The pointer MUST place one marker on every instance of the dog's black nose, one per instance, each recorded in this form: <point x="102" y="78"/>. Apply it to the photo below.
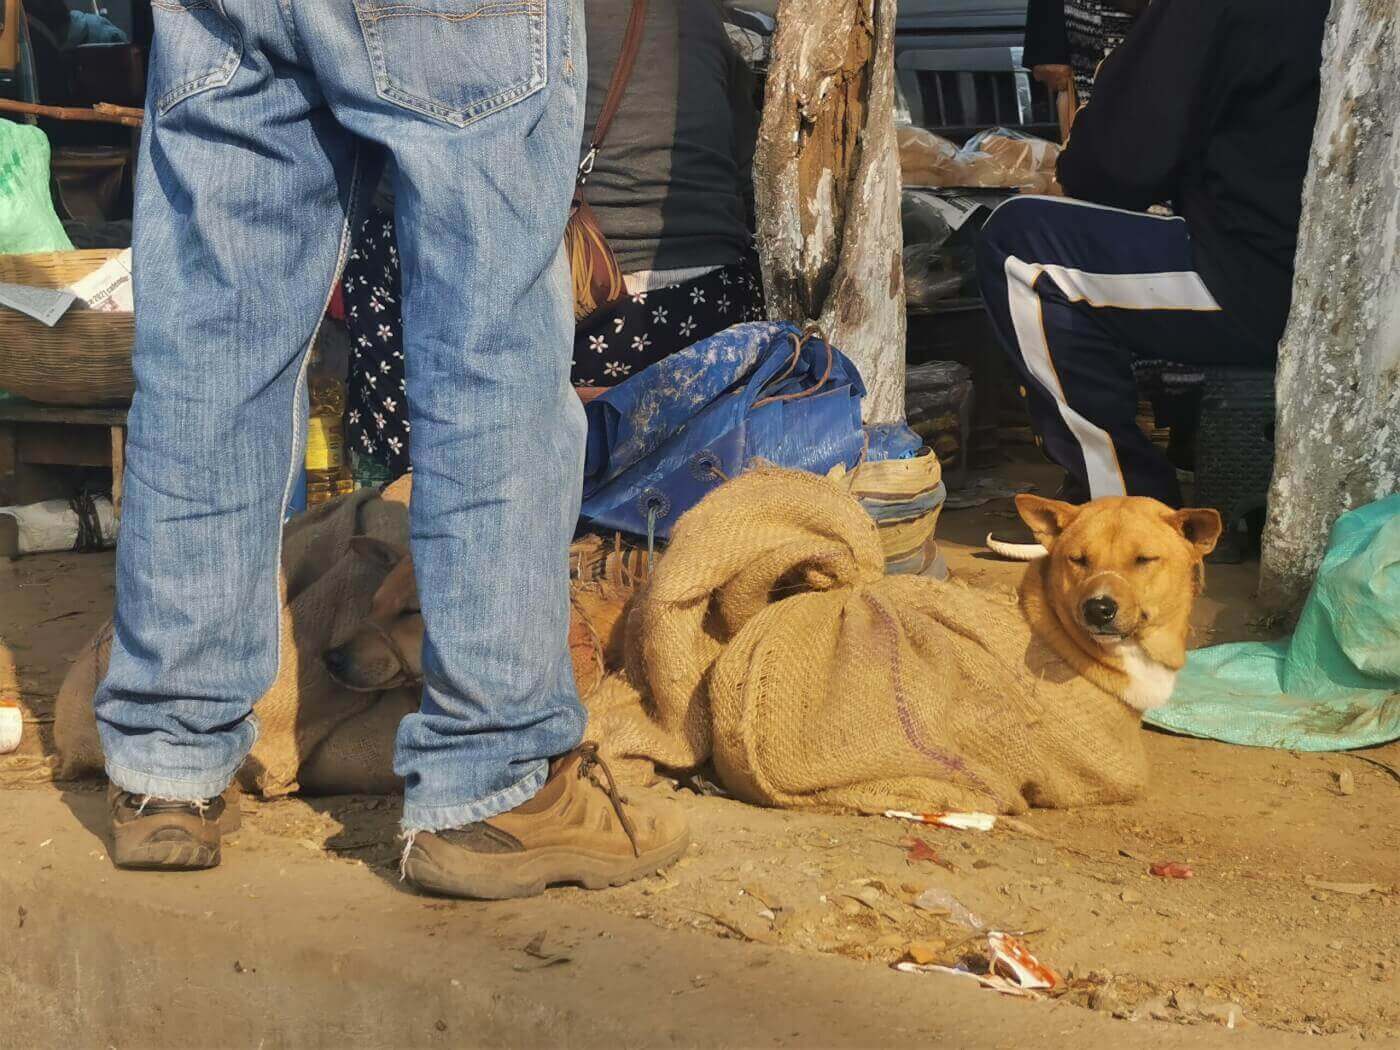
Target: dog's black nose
<point x="336" y="661"/>
<point x="1100" y="611"/>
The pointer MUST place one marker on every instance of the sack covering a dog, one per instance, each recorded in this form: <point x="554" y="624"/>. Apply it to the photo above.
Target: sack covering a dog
<point x="328" y="588"/>
<point x="771" y="642"/>
<point x="315" y="734"/>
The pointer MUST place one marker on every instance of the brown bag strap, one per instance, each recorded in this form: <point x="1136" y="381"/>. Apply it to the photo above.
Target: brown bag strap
<point x="626" y="60"/>
<point x="808" y="333"/>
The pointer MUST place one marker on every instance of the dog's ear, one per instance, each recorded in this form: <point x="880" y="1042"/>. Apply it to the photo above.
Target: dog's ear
<point x="1047" y="518"/>
<point x="377" y="551"/>
<point x="1200" y="527"/>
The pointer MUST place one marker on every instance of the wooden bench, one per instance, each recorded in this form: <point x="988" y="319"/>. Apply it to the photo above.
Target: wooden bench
<point x="34" y="437"/>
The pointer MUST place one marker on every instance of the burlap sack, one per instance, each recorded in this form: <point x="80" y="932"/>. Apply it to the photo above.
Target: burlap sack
<point x="316" y="736"/>
<point x="771" y="642"/>
<point x="328" y="590"/>
<point x="357" y="757"/>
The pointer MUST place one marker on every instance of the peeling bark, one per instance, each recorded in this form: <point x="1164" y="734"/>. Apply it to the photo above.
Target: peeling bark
<point x="826" y="180"/>
<point x="1338" y="435"/>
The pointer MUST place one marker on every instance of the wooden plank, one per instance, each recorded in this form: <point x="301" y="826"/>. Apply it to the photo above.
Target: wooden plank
<point x="63" y="445"/>
<point x="9" y="464"/>
<point x="31" y="412"/>
<point x="118" y="468"/>
<point x="107" y="114"/>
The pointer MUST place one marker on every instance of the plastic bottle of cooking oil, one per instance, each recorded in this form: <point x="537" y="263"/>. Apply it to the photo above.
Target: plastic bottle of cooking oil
<point x="327" y="472"/>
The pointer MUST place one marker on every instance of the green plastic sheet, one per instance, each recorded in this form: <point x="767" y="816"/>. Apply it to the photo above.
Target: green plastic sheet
<point x="1333" y="686"/>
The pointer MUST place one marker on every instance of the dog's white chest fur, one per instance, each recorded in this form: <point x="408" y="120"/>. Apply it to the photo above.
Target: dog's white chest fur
<point x="1150" y="683"/>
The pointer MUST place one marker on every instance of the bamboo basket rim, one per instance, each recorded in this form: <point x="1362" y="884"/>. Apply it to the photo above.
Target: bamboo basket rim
<point x="53" y="271"/>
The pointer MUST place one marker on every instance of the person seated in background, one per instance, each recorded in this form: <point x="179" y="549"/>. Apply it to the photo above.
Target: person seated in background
<point x="1067" y="39"/>
<point x="1208" y="104"/>
<point x="671" y="190"/>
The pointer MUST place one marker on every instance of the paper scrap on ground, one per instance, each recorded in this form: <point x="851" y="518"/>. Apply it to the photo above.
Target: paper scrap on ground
<point x="957" y="821"/>
<point x="1013" y="969"/>
<point x="108" y="288"/>
<point x="1013" y="960"/>
<point x="986" y="980"/>
<point x="45" y="305"/>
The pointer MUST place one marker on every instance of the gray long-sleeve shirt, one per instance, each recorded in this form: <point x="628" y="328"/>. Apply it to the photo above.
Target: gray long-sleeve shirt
<point x="672" y="187"/>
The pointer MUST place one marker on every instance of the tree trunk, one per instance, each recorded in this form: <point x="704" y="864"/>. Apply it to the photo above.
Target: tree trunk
<point x="826" y="175"/>
<point x="1338" y="435"/>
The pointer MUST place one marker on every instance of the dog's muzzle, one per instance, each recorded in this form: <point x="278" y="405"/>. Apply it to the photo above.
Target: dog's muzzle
<point x="338" y="664"/>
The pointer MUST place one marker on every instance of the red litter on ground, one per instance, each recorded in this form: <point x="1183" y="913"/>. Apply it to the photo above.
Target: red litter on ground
<point x="1171" y="869"/>
<point x="917" y="849"/>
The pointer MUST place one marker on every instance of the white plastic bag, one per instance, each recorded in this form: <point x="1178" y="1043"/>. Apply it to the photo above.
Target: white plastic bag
<point x="53" y="525"/>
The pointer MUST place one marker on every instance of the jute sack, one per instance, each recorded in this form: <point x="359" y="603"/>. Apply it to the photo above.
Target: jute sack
<point x="315" y="735"/>
<point x="771" y="642"/>
<point x="327" y="591"/>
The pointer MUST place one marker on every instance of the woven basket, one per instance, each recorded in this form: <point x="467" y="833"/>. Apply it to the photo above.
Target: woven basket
<point x="85" y="359"/>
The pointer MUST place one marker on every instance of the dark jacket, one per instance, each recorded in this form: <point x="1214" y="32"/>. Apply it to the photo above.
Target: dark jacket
<point x="1210" y="104"/>
<point x="1045" y="43"/>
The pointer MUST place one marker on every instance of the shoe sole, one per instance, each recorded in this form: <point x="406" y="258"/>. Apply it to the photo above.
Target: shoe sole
<point x="510" y="876"/>
<point x="167" y="856"/>
<point x="136" y="848"/>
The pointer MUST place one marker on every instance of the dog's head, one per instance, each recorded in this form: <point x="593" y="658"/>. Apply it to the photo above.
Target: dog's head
<point x="1123" y="570"/>
<point x="386" y="650"/>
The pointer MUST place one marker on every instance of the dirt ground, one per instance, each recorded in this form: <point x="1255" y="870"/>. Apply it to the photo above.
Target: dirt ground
<point x="1293" y="913"/>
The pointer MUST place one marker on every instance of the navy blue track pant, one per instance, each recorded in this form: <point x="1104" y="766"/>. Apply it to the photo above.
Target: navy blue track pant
<point x="1077" y="292"/>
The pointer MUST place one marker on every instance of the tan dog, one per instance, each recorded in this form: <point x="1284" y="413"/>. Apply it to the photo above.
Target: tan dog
<point x="386" y="650"/>
<point x="1114" y="595"/>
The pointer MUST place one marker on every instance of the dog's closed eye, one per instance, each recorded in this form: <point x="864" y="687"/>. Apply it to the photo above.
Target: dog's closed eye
<point x="1079" y="559"/>
<point x="1147" y="559"/>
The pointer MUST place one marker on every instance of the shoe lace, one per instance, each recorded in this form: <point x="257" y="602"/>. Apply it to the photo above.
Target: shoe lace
<point x="591" y="760"/>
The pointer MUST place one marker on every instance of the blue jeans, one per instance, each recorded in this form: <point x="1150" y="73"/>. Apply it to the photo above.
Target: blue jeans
<point x="251" y="173"/>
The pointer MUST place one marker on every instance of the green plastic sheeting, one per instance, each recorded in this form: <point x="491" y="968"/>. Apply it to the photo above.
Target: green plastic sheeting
<point x="1335" y="684"/>
<point x="28" y="222"/>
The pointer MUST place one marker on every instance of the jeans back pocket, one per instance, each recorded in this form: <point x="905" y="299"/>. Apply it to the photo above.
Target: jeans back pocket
<point x="455" y="60"/>
<point x="196" y="48"/>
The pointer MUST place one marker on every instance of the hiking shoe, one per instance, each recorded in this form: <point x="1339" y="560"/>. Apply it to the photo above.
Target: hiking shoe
<point x="153" y="834"/>
<point x="577" y="829"/>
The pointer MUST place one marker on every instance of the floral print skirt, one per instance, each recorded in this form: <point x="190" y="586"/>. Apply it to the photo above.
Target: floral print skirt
<point x="619" y="342"/>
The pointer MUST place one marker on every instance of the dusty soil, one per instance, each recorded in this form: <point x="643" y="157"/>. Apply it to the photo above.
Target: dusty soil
<point x="1293" y="912"/>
